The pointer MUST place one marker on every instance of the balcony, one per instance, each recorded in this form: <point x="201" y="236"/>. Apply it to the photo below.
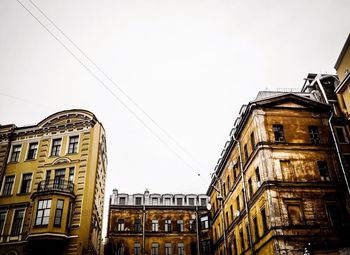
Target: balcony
<point x="54" y="187"/>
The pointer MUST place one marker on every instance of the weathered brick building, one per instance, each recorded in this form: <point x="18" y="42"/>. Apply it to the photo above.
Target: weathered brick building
<point x="278" y="187"/>
<point x="162" y="224"/>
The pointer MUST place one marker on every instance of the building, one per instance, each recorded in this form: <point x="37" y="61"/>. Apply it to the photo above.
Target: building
<point x="52" y="185"/>
<point x="342" y="67"/>
<point x="161" y="223"/>
<point x="278" y="187"/>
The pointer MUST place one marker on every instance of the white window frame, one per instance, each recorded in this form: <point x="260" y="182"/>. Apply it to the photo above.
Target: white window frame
<point x="51" y="144"/>
<point x="28" y="147"/>
<point x="67" y="143"/>
<point x="344" y="133"/>
<point x="3" y="184"/>
<point x="19" y="237"/>
<point x="20" y="184"/>
<point x="11" y="150"/>
<point x="3" y="228"/>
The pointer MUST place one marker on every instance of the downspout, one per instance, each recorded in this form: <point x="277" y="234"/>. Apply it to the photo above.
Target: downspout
<point x="244" y="194"/>
<point x="197" y="231"/>
<point x="338" y="152"/>
<point x="143" y="226"/>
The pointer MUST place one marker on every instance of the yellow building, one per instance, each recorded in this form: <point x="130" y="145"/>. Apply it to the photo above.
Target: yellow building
<point x="52" y="185"/>
<point x="164" y="224"/>
<point x="277" y="189"/>
<point x="342" y="66"/>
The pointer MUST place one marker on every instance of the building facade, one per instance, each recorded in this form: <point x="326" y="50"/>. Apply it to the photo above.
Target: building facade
<point x="278" y="187"/>
<point x="158" y="224"/>
<point x="45" y="206"/>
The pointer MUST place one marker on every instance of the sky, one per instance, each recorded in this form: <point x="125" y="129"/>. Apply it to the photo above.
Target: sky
<point x="186" y="65"/>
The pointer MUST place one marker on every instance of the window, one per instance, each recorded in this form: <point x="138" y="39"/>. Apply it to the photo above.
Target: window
<point x="241" y="237"/>
<point x="250" y="187"/>
<point x="137" y="225"/>
<point x="257" y="174"/>
<point x="33" y="148"/>
<point x="279" y="134"/>
<point x="228" y="183"/>
<point x="323" y="169"/>
<point x="154" y="225"/>
<point x="191" y="201"/>
<point x="137" y="248"/>
<point x="26" y="182"/>
<point x="138" y="200"/>
<point x="252" y="140"/>
<point x="179" y="201"/>
<point x="180" y="225"/>
<point x="154" y="201"/>
<point x="256" y="229"/>
<point x="8" y="185"/>
<point x="264" y="220"/>
<point x="56" y="147"/>
<point x="224" y="189"/>
<point x="71" y="175"/>
<point x="73" y="144"/>
<point x="203" y="201"/>
<point x="43" y="212"/>
<point x="231" y="211"/>
<point x="167" y="201"/>
<point x="192" y="226"/>
<point x="341" y="134"/>
<point x="206" y="247"/>
<point x="2" y="221"/>
<point x="246" y="154"/>
<point x="58" y="214"/>
<point x="120" y="225"/>
<point x="237" y="204"/>
<point x="69" y="215"/>
<point x="204" y="222"/>
<point x="167" y="248"/>
<point x="227" y="219"/>
<point x="314" y="135"/>
<point x="17" y="222"/>
<point x="58" y="182"/>
<point x="16" y="150"/>
<point x="47" y="179"/>
<point x="180" y="249"/>
<point x="122" y="200"/>
<point x="167" y="226"/>
<point x="155" y="248"/>
<point x="334" y="216"/>
<point x="120" y="249"/>
<point x="294" y="214"/>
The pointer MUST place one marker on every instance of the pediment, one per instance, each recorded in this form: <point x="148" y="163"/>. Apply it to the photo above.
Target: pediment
<point x="290" y="105"/>
<point x="63" y="160"/>
<point x="67" y="117"/>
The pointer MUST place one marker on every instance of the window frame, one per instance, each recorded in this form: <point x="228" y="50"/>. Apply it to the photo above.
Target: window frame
<point x="4" y="184"/>
<point x="57" y="152"/>
<point x="74" y="147"/>
<point x="2" y="228"/>
<point x="18" y="156"/>
<point x="29" y="149"/>
<point x="346" y="138"/>
<point x="280" y="133"/>
<point x="21" y="184"/>
<point x="180" y="248"/>
<point x="167" y="225"/>
<point x="180" y="226"/>
<point x="323" y="170"/>
<point x="155" y="249"/>
<point x="167" y="248"/>
<point x="13" y="221"/>
<point x="314" y="134"/>
<point x="60" y="210"/>
<point x="43" y="213"/>
<point x="155" y="225"/>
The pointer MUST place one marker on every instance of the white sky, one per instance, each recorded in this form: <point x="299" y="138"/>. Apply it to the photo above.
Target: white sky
<point x="190" y="64"/>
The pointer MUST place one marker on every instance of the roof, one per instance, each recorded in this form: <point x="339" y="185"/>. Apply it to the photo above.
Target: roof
<point x="342" y="52"/>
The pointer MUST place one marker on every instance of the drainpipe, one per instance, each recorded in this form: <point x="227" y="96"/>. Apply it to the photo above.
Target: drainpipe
<point x="197" y="231"/>
<point x="143" y="225"/>
<point x="338" y="152"/>
<point x="220" y="198"/>
<point x="244" y="194"/>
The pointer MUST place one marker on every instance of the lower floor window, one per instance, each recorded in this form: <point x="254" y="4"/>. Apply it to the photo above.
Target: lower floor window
<point x="17" y="222"/>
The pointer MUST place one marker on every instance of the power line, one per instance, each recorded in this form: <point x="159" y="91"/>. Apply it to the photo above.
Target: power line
<point x="103" y="84"/>
<point x="113" y="82"/>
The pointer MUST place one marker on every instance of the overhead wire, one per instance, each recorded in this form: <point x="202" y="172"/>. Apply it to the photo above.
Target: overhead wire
<point x="101" y="82"/>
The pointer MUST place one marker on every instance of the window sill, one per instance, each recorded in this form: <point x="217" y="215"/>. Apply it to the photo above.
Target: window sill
<point x="30" y="159"/>
<point x="73" y="153"/>
<point x="41" y="226"/>
<point x="4" y="196"/>
<point x="12" y="162"/>
<point x="23" y="194"/>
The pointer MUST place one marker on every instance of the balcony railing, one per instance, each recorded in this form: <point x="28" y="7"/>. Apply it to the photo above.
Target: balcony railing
<point x="55" y="185"/>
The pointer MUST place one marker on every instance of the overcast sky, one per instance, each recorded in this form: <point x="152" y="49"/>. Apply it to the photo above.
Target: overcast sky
<point x="189" y="64"/>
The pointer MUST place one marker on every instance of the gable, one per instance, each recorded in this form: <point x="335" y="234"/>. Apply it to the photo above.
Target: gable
<point x="67" y="117"/>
